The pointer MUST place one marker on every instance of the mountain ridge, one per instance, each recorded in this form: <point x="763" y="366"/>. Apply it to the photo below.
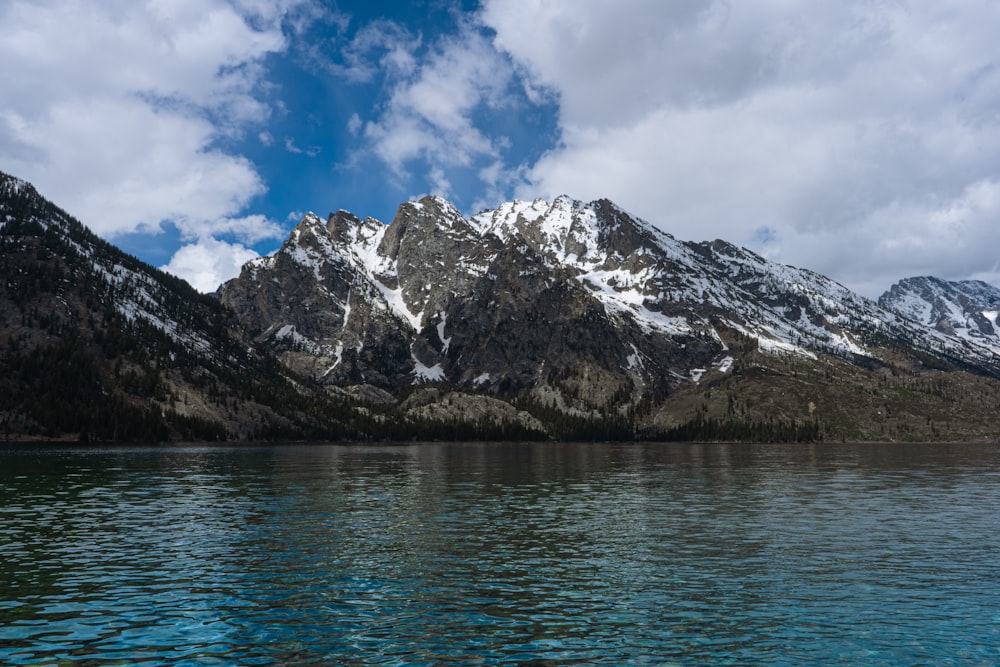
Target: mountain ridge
<point x="429" y="257"/>
<point x="538" y="320"/>
<point x="966" y="309"/>
<point x="574" y="307"/>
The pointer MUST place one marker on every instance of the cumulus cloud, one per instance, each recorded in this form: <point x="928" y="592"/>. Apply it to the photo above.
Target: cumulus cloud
<point x="247" y="228"/>
<point x="209" y="262"/>
<point x="382" y="47"/>
<point x="354" y="123"/>
<point x="863" y="136"/>
<point x="433" y="96"/>
<point x="115" y="109"/>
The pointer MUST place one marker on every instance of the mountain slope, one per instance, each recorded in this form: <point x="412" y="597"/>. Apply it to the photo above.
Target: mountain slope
<point x="458" y="306"/>
<point x="572" y="307"/>
<point x="560" y="319"/>
<point x="965" y="309"/>
<point x="97" y="345"/>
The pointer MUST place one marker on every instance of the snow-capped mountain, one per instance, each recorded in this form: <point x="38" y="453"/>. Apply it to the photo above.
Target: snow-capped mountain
<point x="538" y="319"/>
<point x="966" y="309"/>
<point x="578" y="305"/>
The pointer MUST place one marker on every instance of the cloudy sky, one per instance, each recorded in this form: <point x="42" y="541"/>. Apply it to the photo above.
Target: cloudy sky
<point x="857" y="138"/>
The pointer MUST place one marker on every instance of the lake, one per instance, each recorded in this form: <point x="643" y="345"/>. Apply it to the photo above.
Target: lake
<point x="531" y="554"/>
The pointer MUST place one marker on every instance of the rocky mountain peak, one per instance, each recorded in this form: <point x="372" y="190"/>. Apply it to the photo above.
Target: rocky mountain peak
<point x="575" y="304"/>
<point x="342" y="226"/>
<point x="966" y="309"/>
<point x="310" y="224"/>
<point x="563" y="231"/>
<point x="347" y="231"/>
<point x="421" y="220"/>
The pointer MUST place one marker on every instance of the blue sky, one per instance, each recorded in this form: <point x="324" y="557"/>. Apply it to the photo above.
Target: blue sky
<point x="860" y="138"/>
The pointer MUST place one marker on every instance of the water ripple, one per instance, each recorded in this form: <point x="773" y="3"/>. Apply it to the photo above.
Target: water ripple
<point x="500" y="554"/>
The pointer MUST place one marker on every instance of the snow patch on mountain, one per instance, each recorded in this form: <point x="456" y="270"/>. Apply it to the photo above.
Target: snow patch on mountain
<point x="397" y="305"/>
<point x="445" y="340"/>
<point x="425" y="373"/>
<point x="338" y="354"/>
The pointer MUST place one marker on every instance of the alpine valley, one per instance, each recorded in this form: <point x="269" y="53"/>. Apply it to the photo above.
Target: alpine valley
<point x="536" y="320"/>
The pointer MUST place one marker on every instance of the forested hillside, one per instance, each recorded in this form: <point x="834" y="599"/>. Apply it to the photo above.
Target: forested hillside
<point x="95" y="344"/>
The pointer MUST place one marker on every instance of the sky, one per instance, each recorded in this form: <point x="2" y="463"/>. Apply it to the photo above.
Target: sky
<point x="856" y="138"/>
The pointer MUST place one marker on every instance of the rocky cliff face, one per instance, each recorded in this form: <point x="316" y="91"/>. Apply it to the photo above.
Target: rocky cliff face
<point x="965" y="309"/>
<point x="577" y="306"/>
<point x="434" y="297"/>
<point x="314" y="304"/>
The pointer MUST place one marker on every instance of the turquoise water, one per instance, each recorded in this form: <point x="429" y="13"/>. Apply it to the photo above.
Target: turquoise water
<point x="500" y="554"/>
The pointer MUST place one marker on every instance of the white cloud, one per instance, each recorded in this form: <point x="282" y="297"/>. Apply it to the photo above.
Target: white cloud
<point x="291" y="147"/>
<point x="119" y="164"/>
<point x="382" y="46"/>
<point x="354" y="124"/>
<point x="862" y="135"/>
<point x="113" y="109"/>
<point x="441" y="186"/>
<point x="429" y="114"/>
<point x="248" y="228"/>
<point x="209" y="262"/>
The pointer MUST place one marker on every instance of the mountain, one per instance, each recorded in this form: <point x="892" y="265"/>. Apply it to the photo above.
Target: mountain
<point x="535" y="320"/>
<point x="574" y="309"/>
<point x="966" y="309"/>
<point x="95" y="344"/>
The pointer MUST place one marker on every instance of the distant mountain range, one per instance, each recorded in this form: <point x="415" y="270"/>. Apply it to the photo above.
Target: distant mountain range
<point x="537" y="319"/>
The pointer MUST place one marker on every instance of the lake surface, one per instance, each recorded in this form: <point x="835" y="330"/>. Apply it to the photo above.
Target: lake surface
<point x="544" y="554"/>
